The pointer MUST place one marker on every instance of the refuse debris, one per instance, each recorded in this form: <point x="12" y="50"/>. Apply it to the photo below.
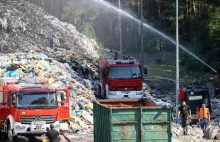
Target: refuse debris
<point x="194" y="132"/>
<point x="55" y="74"/>
<point x="26" y="26"/>
<point x="64" y="127"/>
<point x="157" y="102"/>
<point x="26" y="35"/>
<point x="215" y="108"/>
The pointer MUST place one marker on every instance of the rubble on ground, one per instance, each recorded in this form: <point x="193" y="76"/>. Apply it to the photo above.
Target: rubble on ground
<point x="195" y="133"/>
<point x="158" y="102"/>
<point x="215" y="108"/>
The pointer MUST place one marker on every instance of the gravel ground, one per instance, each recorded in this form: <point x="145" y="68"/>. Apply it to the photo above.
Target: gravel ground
<point x="72" y="137"/>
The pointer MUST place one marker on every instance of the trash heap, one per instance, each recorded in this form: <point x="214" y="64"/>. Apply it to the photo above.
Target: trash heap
<point x="41" y="68"/>
<point x="194" y="131"/>
<point x="158" y="102"/>
<point x="46" y="50"/>
<point x="25" y="26"/>
<point x="215" y="108"/>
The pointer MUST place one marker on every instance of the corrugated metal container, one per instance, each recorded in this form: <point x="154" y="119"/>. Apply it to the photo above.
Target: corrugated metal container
<point x="131" y="121"/>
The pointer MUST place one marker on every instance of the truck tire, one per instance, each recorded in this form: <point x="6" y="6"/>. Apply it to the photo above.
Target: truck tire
<point x="11" y="138"/>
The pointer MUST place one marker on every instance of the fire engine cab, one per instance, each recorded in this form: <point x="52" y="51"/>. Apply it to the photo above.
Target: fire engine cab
<point x="31" y="108"/>
<point x="120" y="78"/>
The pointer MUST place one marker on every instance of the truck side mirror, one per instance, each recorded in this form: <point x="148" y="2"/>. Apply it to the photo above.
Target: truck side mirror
<point x="145" y="71"/>
<point x="104" y="73"/>
<point x="14" y="100"/>
<point x="8" y="100"/>
<point x="63" y="98"/>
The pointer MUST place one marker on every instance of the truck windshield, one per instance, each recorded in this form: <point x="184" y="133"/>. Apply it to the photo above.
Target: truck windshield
<point x="36" y="100"/>
<point x="126" y="72"/>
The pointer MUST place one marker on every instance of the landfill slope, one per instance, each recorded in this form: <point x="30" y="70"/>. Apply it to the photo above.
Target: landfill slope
<point x="27" y="53"/>
<point x="25" y="26"/>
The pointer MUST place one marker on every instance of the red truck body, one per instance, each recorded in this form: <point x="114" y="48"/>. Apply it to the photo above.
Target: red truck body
<point x="31" y="108"/>
<point x="120" y="78"/>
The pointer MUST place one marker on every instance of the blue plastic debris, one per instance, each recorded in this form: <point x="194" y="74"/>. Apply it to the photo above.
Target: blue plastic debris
<point x="5" y="66"/>
<point x="11" y="74"/>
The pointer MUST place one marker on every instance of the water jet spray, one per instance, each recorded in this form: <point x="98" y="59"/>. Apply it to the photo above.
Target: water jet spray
<point x="106" y="4"/>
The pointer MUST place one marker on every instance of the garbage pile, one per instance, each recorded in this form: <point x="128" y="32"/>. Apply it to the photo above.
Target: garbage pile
<point x="215" y="108"/>
<point x="46" y="50"/>
<point x="41" y="68"/>
<point x="25" y="26"/>
<point x="194" y="131"/>
<point x="158" y="102"/>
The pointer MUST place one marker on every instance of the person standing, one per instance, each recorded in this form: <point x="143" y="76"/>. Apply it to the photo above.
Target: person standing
<point x="184" y="114"/>
<point x="204" y="116"/>
<point x="52" y="134"/>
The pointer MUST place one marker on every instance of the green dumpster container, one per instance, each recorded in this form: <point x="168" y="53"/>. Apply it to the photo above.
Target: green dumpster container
<point x="130" y="121"/>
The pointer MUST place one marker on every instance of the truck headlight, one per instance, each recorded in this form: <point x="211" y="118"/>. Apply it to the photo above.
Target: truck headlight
<point x="111" y="93"/>
<point x="20" y="127"/>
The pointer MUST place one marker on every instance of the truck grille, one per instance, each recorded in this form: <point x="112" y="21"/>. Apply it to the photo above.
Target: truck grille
<point x="28" y="119"/>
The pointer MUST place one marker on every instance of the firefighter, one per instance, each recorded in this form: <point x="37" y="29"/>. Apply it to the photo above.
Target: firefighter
<point x="204" y="116"/>
<point x="185" y="112"/>
<point x="52" y="134"/>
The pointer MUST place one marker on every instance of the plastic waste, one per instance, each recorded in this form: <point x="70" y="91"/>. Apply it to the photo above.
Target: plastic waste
<point x="11" y="74"/>
<point x="43" y="56"/>
<point x="5" y="65"/>
<point x="19" y="71"/>
<point x="44" y="64"/>
<point x="50" y="81"/>
<point x="73" y="95"/>
<point x="81" y="105"/>
<point x="40" y="73"/>
<point x="89" y="106"/>
<point x="87" y="116"/>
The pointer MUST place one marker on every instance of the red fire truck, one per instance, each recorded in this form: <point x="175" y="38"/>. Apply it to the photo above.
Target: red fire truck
<point x="31" y="108"/>
<point x="120" y="77"/>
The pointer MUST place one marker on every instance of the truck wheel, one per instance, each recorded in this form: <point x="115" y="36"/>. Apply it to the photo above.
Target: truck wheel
<point x="11" y="138"/>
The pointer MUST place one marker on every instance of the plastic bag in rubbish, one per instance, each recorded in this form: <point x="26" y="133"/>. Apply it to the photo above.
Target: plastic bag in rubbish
<point x="40" y="73"/>
<point x="73" y="95"/>
<point x="45" y="64"/>
<point x="2" y="71"/>
<point x="19" y="71"/>
<point x="89" y="106"/>
<point x="1" y="21"/>
<point x="87" y="116"/>
<point x="13" y="74"/>
<point x="5" y="65"/>
<point x="43" y="56"/>
<point x="50" y="81"/>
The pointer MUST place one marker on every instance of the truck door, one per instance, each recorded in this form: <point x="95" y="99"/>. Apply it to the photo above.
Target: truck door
<point x="63" y="98"/>
<point x="4" y="109"/>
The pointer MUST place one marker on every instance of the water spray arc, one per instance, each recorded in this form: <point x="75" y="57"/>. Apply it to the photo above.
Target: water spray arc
<point x="106" y="4"/>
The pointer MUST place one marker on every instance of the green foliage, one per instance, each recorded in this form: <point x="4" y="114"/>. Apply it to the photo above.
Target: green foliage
<point x="199" y="24"/>
<point x="81" y="14"/>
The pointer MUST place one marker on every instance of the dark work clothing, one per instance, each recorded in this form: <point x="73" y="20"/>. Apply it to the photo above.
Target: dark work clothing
<point x="184" y="111"/>
<point x="52" y="135"/>
<point x="185" y="122"/>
